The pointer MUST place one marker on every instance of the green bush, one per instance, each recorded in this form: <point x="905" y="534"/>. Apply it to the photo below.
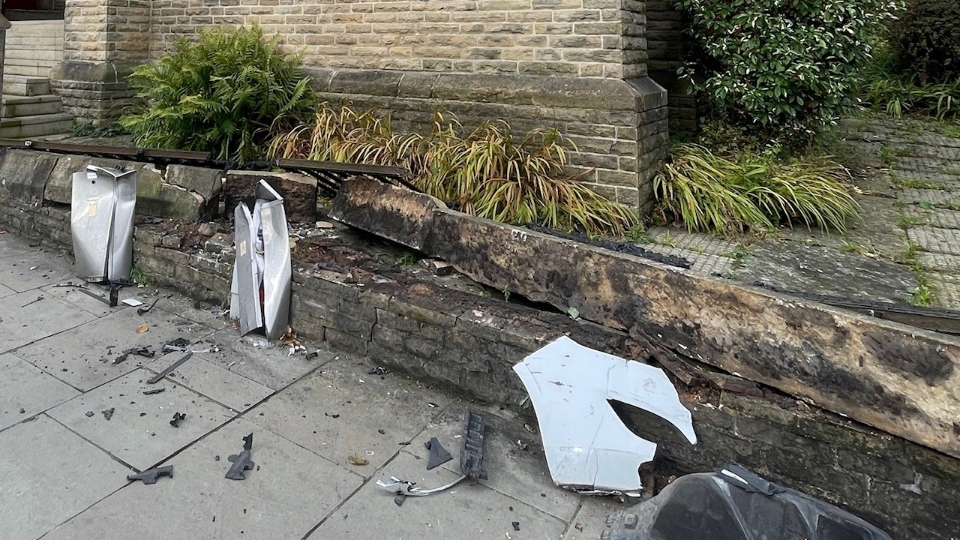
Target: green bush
<point x="926" y="39"/>
<point x="222" y="94"/>
<point x="487" y="172"/>
<point x="751" y="192"/>
<point x="783" y="67"/>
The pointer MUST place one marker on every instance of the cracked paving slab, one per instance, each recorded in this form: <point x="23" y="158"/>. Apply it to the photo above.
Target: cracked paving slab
<point x="289" y="491"/>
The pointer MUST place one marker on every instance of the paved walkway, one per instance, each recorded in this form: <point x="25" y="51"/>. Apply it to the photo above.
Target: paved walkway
<point x="905" y="250"/>
<point x="64" y="461"/>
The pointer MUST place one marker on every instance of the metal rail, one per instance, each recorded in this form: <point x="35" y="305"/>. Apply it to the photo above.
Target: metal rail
<point x="329" y="175"/>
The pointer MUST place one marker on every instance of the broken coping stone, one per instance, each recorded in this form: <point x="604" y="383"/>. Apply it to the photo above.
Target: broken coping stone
<point x="60" y="184"/>
<point x="299" y="192"/>
<point x="24" y="173"/>
<point x="896" y="378"/>
<point x="204" y="181"/>
<point x="158" y="198"/>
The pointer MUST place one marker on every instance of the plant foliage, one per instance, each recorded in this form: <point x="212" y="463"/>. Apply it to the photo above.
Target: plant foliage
<point x="783" y="67"/>
<point x="926" y="40"/>
<point x="751" y="192"/>
<point x="222" y="94"/>
<point x="487" y="172"/>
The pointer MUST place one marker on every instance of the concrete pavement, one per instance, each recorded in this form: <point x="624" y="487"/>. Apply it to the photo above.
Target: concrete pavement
<point x="63" y="463"/>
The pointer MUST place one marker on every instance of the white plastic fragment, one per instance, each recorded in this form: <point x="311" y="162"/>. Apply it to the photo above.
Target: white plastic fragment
<point x="586" y="444"/>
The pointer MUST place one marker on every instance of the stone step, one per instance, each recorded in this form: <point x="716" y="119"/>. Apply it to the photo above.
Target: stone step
<point x="20" y="85"/>
<point x="26" y="71"/>
<point x="35" y="54"/>
<point x="35" y="126"/>
<point x="20" y="106"/>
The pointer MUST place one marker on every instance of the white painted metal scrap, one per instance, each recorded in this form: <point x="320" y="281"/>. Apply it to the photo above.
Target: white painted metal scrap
<point x="587" y="445"/>
<point x="101" y="222"/>
<point x="262" y="262"/>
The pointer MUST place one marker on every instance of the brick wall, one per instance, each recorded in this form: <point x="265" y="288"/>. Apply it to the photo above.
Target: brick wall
<point x="578" y="38"/>
<point x="469" y="343"/>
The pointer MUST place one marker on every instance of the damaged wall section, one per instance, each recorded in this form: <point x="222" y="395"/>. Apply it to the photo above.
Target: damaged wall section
<point x="471" y="342"/>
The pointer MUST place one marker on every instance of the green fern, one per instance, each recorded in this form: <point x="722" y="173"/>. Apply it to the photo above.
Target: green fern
<point x="222" y="94"/>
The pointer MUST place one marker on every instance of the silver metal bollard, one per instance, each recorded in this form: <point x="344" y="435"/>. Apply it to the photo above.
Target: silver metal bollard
<point x="260" y="292"/>
<point x="101" y="222"/>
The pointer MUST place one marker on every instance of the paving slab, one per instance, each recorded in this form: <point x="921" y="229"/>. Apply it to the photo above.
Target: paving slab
<point x="24" y="320"/>
<point x="514" y="460"/>
<point x="201" y="312"/>
<point x="6" y="291"/>
<point x="234" y="391"/>
<point x="22" y="271"/>
<point x="466" y="511"/>
<point x="75" y="295"/>
<point x="26" y="391"/>
<point x="335" y="415"/>
<point x="284" y="497"/>
<point x="139" y="432"/>
<point x="272" y="367"/>
<point x="793" y="266"/>
<point x="49" y="475"/>
<point x="81" y="357"/>
<point x="591" y="518"/>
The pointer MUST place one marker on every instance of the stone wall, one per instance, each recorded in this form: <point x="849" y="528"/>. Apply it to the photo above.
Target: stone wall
<point x="579" y="65"/>
<point x="103" y="41"/>
<point x="667" y="46"/>
<point x="470" y="342"/>
<point x="619" y="127"/>
<point x="578" y="38"/>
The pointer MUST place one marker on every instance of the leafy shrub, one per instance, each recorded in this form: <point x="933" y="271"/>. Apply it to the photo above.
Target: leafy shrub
<point x="222" y="94"/>
<point x="487" y="172"/>
<point x="783" y="66"/>
<point x="711" y="193"/>
<point x="927" y="40"/>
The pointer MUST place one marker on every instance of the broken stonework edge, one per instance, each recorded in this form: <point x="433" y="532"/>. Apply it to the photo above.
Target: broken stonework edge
<point x="896" y="378"/>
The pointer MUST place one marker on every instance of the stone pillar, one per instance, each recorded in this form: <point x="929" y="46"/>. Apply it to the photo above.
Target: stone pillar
<point x="103" y="41"/>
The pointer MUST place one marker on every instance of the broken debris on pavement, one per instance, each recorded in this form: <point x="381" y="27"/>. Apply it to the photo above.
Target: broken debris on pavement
<point x="471" y="462"/>
<point x="241" y="462"/>
<point x="588" y="448"/>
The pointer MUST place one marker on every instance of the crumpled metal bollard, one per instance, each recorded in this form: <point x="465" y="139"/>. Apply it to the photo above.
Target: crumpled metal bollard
<point x="101" y="222"/>
<point x="260" y="292"/>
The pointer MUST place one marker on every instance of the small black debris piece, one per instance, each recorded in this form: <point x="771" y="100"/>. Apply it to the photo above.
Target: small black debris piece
<point x="241" y="462"/>
<point x="153" y="391"/>
<point x="398" y="500"/>
<point x="377" y="370"/>
<point x="156" y="378"/>
<point x="142" y="311"/>
<point x="22" y="410"/>
<point x="516" y="525"/>
<point x="139" y="351"/>
<point x="380" y="431"/>
<point x="438" y="454"/>
<point x="334" y="416"/>
<point x="471" y="455"/>
<point x="311" y="356"/>
<point x="177" y="417"/>
<point x="216" y="458"/>
<point x="150" y="475"/>
<point x="405" y="443"/>
<point x="108" y="414"/>
<point x="179" y="342"/>
<point x="89" y="414"/>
